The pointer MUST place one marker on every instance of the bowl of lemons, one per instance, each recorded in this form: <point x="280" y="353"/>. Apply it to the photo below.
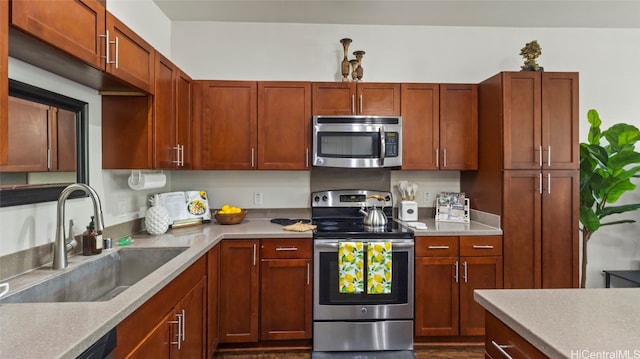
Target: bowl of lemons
<point x="230" y="214"/>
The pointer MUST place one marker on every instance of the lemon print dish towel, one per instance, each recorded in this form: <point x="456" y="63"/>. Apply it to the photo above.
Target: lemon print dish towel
<point x="379" y="266"/>
<point x="350" y="267"/>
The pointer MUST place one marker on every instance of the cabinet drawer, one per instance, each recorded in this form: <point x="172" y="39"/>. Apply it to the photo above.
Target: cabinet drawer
<point x="480" y="246"/>
<point x="286" y="248"/>
<point x="437" y="246"/>
<point x="500" y="335"/>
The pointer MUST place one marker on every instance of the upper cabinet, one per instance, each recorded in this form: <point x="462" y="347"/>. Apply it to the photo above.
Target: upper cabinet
<point x="4" y="81"/>
<point x="439" y="126"/>
<point x="540" y="114"/>
<point x="252" y="125"/>
<point x="94" y="39"/>
<point x="172" y="116"/>
<point x="356" y="98"/>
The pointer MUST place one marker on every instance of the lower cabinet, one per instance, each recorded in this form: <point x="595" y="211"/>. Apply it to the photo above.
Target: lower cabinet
<point x="447" y="271"/>
<point x="213" y="291"/>
<point x="171" y="324"/>
<point x="265" y="290"/>
<point x="502" y="342"/>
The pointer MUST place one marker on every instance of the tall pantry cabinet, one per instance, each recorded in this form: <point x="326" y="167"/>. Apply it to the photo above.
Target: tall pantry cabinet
<point x="528" y="174"/>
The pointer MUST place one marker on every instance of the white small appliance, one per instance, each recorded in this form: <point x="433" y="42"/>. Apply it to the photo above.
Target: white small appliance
<point x="408" y="211"/>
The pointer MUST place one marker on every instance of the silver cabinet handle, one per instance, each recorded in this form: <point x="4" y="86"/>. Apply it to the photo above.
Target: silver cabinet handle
<point x="549" y="183"/>
<point x="549" y="156"/>
<point x="48" y="158"/>
<point x="444" y="157"/>
<point x="482" y="246"/>
<point x="360" y="104"/>
<point x="252" y="157"/>
<point x="116" y="62"/>
<point x="456" y="276"/>
<point x="184" y="325"/>
<point x="287" y="249"/>
<point x="353" y="104"/>
<point x="501" y="349"/>
<point x="540" y="183"/>
<point x="182" y="155"/>
<point x="177" y="150"/>
<point x="108" y="43"/>
<point x="308" y="273"/>
<point x="466" y="279"/>
<point x="438" y="247"/>
<point x="540" y="155"/>
<point x="179" y="335"/>
<point x="437" y="157"/>
<point x="306" y="158"/>
<point x="254" y="253"/>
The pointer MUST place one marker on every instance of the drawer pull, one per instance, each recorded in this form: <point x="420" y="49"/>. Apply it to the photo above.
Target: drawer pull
<point x="501" y="349"/>
<point x="438" y="247"/>
<point x="482" y="246"/>
<point x="279" y="249"/>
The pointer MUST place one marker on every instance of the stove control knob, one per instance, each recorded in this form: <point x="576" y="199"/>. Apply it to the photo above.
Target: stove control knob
<point x="363" y="310"/>
<point x="387" y="198"/>
<point x="325" y="198"/>
<point x="316" y="199"/>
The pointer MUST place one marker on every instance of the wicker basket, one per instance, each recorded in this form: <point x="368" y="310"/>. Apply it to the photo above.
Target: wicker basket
<point x="231" y="218"/>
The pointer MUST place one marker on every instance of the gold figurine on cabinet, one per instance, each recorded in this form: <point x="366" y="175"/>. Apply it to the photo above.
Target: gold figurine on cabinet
<point x="530" y="52"/>
<point x="353" y="66"/>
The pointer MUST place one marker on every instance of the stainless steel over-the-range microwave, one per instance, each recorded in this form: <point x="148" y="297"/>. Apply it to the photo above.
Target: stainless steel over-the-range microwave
<point x="357" y="141"/>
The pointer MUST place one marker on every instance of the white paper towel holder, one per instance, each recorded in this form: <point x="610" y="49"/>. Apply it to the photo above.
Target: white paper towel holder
<point x="140" y="181"/>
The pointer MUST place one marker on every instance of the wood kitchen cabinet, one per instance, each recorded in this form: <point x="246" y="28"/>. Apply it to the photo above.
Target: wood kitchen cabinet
<point x="286" y="289"/>
<point x="439" y="126"/>
<point x="95" y="38"/>
<point x="447" y="271"/>
<point x="172" y="116"/>
<point x="4" y="82"/>
<point x="127" y="132"/>
<point x="213" y="292"/>
<point x="41" y="138"/>
<point x="239" y="291"/>
<point x="253" y="125"/>
<point x="356" y="98"/>
<point x="500" y="338"/>
<point x="528" y="174"/>
<point x="175" y="314"/>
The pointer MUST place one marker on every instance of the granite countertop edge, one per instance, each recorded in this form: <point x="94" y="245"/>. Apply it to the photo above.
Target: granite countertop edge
<point x="65" y="330"/>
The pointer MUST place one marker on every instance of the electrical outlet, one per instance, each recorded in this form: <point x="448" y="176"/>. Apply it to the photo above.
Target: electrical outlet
<point x="122" y="208"/>
<point x="426" y="197"/>
<point x="257" y="198"/>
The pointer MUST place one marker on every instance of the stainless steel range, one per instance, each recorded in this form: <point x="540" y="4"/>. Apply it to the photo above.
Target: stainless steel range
<point x="348" y="318"/>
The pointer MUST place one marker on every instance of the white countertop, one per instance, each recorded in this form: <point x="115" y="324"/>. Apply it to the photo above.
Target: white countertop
<point x="571" y="323"/>
<point x="65" y="330"/>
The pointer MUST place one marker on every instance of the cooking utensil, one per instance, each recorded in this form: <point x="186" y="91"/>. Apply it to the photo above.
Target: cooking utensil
<point x="373" y="216"/>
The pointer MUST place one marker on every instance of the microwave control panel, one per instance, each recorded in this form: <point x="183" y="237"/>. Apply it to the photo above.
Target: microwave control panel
<point x="391" y="143"/>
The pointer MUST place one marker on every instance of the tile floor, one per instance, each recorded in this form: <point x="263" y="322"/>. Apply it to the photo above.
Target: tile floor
<point x="471" y="352"/>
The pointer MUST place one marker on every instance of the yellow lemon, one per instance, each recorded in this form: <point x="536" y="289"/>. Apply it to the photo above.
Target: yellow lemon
<point x="377" y="278"/>
<point x="225" y="207"/>
<point x="359" y="275"/>
<point x="379" y="257"/>
<point x="350" y="257"/>
<point x="387" y="275"/>
<point x="351" y="288"/>
<point x="348" y="278"/>
<point x="377" y="248"/>
<point x="387" y="246"/>
<point x="378" y="288"/>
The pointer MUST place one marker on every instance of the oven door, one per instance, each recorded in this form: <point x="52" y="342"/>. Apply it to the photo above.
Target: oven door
<point x="330" y="304"/>
<point x="357" y="142"/>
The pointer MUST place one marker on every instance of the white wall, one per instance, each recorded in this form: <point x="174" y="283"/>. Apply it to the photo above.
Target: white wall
<point x="606" y="59"/>
<point x="147" y="20"/>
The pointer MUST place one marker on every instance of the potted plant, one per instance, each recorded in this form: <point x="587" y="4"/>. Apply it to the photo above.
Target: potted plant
<point x="606" y="170"/>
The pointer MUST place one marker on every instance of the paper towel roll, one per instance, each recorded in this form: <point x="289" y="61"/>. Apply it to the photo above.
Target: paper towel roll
<point x="141" y="181"/>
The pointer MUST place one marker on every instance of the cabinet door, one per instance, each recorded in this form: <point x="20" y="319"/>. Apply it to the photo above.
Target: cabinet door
<point x="458" y="127"/>
<point x="522" y="99"/>
<point x="213" y="292"/>
<point x="159" y="341"/>
<point x="183" y="119"/>
<point x="476" y="273"/>
<point x="229" y="124"/>
<point x="284" y="124"/>
<point x="63" y="144"/>
<point x="420" y="126"/>
<point x="334" y="98"/>
<point x="193" y="311"/>
<point x="286" y="299"/>
<point x="378" y="99"/>
<point x="131" y="59"/>
<point x="522" y="228"/>
<point x="239" y="291"/>
<point x="560" y="220"/>
<point x="4" y="82"/>
<point x="164" y="113"/>
<point x="28" y="136"/>
<point x="560" y="142"/>
<point x="74" y="26"/>
<point x="437" y="296"/>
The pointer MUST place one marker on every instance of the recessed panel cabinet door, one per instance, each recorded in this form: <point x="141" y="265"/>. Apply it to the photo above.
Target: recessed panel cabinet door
<point x="476" y="273"/>
<point x="284" y="125"/>
<point x="420" y="126"/>
<point x="437" y="296"/>
<point x="74" y="26"/>
<point x="28" y="136"/>
<point x="164" y="114"/>
<point x="560" y="141"/>
<point x="458" y="127"/>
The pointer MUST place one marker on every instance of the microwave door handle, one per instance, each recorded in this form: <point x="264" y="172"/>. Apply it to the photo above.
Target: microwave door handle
<point x="383" y="145"/>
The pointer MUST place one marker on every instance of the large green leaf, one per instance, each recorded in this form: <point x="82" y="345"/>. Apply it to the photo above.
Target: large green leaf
<point x="589" y="219"/>
<point x="621" y="135"/>
<point x="619" y="209"/>
<point x="594" y="132"/>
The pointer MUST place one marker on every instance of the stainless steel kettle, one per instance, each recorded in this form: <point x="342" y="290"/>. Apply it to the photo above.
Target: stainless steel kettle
<point x="373" y="216"/>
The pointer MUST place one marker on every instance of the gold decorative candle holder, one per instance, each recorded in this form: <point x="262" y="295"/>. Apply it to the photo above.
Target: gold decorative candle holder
<point x="344" y="65"/>
<point x="354" y="66"/>
<point x="359" y="71"/>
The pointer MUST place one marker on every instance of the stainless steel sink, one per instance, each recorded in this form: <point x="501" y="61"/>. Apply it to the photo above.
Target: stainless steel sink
<point x="97" y="280"/>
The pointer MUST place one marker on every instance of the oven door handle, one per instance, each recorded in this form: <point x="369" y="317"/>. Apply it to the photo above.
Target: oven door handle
<point x="394" y="245"/>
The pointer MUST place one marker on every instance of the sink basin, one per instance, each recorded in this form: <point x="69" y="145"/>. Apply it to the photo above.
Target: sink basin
<point x="98" y="280"/>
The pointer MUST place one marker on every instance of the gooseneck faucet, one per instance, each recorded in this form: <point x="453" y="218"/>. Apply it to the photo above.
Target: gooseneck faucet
<point x="61" y="246"/>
